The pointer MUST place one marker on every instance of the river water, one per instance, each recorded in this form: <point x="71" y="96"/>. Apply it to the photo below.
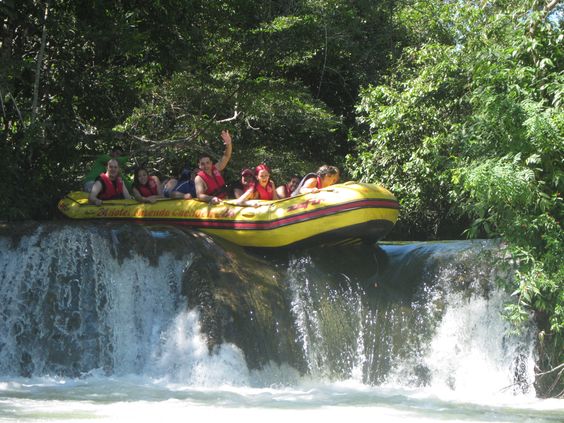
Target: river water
<point x="406" y="332"/>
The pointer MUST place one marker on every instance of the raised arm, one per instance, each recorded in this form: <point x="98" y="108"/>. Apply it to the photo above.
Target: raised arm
<point x="222" y="163"/>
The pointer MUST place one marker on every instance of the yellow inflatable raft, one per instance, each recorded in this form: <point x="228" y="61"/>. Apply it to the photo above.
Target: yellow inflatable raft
<point x="339" y="214"/>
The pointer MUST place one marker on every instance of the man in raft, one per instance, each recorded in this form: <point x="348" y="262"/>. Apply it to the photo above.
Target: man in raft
<point x="100" y="165"/>
<point x="108" y="185"/>
<point x="210" y="185"/>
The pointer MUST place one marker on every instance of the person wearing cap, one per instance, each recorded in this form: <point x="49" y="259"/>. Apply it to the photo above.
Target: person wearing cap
<point x="263" y="189"/>
<point x="247" y="178"/>
<point x="210" y="185"/>
<point x="183" y="187"/>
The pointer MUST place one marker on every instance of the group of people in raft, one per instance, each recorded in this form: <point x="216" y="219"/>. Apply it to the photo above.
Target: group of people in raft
<point x="205" y="183"/>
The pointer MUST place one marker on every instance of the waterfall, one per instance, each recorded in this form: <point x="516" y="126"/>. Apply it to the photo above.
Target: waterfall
<point x="82" y="298"/>
<point x="71" y="304"/>
<point x="429" y="316"/>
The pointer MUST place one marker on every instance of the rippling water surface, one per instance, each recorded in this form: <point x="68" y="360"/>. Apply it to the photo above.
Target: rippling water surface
<point x="141" y="399"/>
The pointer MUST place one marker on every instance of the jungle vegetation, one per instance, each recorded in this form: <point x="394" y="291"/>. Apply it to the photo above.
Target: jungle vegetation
<point x="455" y="106"/>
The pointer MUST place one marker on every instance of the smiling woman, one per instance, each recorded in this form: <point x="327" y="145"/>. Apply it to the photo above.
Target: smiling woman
<point x="323" y="178"/>
<point x="146" y="189"/>
<point x="262" y="189"/>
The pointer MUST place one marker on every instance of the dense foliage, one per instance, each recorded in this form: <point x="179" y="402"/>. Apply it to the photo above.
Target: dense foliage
<point x="468" y="127"/>
<point x="454" y="106"/>
<point x="163" y="78"/>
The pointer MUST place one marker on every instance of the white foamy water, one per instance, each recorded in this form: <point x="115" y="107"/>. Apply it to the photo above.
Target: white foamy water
<point x="472" y="351"/>
<point x="143" y="399"/>
<point x="191" y="384"/>
<point x="139" y="354"/>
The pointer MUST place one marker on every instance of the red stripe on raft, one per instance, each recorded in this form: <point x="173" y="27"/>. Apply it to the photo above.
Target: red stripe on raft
<point x="272" y="224"/>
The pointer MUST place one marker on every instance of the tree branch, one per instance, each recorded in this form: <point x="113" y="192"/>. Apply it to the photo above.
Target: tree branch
<point x="544" y="13"/>
<point x="560" y="366"/>
<point x="556" y="380"/>
<point x="324" y="64"/>
<point x="550" y="6"/>
<point x="169" y="142"/>
<point x="250" y="126"/>
<point x="2" y="104"/>
<point x="235" y="115"/>
<point x="17" y="108"/>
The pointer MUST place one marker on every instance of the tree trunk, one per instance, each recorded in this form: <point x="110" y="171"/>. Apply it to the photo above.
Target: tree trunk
<point x="34" y="103"/>
<point x="545" y="10"/>
<point x="6" y="33"/>
<point x="6" y="40"/>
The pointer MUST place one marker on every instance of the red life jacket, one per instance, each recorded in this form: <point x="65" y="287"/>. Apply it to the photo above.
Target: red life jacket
<point x="110" y="190"/>
<point x="264" y="193"/>
<point x="319" y="185"/>
<point x="215" y="183"/>
<point x="149" y="189"/>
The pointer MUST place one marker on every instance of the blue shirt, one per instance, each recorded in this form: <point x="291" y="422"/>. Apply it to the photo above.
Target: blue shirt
<point x="186" y="187"/>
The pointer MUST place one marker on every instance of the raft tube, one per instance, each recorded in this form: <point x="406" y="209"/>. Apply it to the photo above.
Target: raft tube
<point x="338" y="214"/>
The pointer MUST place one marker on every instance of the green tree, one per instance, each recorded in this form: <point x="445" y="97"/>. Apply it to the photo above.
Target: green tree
<point x="469" y="128"/>
<point x="72" y="70"/>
